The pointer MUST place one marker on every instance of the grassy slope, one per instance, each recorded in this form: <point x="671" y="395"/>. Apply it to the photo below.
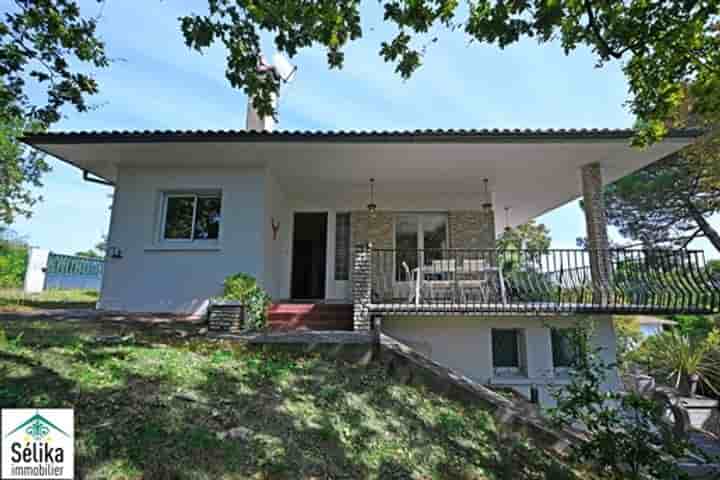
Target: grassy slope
<point x="311" y="417"/>
<point x="15" y="299"/>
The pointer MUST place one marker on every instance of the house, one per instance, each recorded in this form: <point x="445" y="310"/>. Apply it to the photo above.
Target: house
<point x="345" y="228"/>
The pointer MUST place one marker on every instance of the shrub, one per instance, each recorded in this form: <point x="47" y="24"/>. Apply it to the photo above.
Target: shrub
<point x="627" y="338"/>
<point x="13" y="263"/>
<point x="694" y="325"/>
<point x="242" y="287"/>
<point x="675" y="357"/>
<point x="627" y="437"/>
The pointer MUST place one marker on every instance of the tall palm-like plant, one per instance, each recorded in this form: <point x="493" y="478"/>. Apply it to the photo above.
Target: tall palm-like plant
<point x="684" y="360"/>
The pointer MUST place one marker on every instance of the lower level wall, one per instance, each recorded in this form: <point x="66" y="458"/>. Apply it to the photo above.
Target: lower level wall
<point x="464" y="344"/>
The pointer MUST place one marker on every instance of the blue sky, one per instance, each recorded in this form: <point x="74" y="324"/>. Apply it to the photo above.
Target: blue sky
<point x="158" y="83"/>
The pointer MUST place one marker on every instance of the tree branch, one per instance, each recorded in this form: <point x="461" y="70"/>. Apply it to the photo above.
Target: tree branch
<point x="592" y="23"/>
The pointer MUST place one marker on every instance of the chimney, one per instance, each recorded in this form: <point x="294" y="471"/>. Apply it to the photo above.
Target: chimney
<point x="254" y="121"/>
<point x="283" y="73"/>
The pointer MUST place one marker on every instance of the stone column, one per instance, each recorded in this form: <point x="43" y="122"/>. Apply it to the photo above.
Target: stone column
<point x="361" y="286"/>
<point x="596" y="229"/>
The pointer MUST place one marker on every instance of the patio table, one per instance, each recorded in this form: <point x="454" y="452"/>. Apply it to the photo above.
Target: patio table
<point x="447" y="270"/>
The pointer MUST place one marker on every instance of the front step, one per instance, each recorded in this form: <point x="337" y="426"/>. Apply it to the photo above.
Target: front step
<point x="310" y="316"/>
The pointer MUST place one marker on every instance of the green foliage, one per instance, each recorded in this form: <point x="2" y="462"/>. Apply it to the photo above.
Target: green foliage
<point x="528" y="236"/>
<point x="627" y="338"/>
<point x="20" y="170"/>
<point x="663" y="46"/>
<point x="669" y="199"/>
<point x="243" y="288"/>
<point x="627" y="439"/>
<point x="43" y="45"/>
<point x="694" y="325"/>
<point x="674" y="357"/>
<point x="13" y="263"/>
<point x="90" y="253"/>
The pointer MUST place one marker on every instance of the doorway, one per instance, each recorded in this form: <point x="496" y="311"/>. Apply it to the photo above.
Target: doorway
<point x="309" y="256"/>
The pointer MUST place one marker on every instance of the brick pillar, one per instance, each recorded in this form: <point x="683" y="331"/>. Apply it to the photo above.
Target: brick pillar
<point x="361" y="287"/>
<point x="596" y="228"/>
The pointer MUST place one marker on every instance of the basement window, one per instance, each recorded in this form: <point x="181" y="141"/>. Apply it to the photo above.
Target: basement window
<point x="563" y="351"/>
<point x="508" y="352"/>
<point x="191" y="217"/>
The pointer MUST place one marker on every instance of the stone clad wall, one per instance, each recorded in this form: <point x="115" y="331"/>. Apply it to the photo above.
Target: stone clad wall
<point x="472" y="229"/>
<point x="468" y="229"/>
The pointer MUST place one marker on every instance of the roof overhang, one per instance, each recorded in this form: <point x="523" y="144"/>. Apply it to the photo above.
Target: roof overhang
<point x="531" y="171"/>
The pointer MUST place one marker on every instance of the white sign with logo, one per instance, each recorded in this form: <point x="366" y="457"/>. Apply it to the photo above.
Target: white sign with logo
<point x="38" y="443"/>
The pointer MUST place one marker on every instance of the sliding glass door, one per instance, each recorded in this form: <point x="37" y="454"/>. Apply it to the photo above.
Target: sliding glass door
<point x="420" y="238"/>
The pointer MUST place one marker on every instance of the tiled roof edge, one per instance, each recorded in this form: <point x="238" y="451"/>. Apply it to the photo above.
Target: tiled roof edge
<point x="438" y="135"/>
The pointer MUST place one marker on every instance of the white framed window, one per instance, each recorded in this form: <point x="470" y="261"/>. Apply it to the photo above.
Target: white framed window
<point x="508" y="352"/>
<point x="190" y="217"/>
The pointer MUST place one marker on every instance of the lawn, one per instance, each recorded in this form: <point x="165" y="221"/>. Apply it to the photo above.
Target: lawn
<point x="152" y="406"/>
<point x="16" y="299"/>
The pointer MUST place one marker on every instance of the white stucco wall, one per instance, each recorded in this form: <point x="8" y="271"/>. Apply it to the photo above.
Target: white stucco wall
<point x="277" y="253"/>
<point x="153" y="276"/>
<point x="464" y="344"/>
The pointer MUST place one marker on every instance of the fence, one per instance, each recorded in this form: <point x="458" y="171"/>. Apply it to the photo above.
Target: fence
<point x="47" y="270"/>
<point x="637" y="281"/>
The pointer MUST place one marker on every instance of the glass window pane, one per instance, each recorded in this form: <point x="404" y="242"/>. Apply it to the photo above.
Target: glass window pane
<point x="434" y="237"/>
<point x="178" y="217"/>
<point x="342" y="246"/>
<point x="406" y="244"/>
<point x="505" y="348"/>
<point x="562" y="348"/>
<point x="207" y="219"/>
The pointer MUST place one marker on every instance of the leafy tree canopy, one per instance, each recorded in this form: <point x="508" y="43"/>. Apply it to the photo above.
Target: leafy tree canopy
<point x="528" y="236"/>
<point x="20" y="170"/>
<point x="663" y="45"/>
<point x="44" y="46"/>
<point x="669" y="199"/>
<point x="88" y="254"/>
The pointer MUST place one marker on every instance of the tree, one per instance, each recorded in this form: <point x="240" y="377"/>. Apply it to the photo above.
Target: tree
<point x="44" y="44"/>
<point x="668" y="49"/>
<point x="20" y="170"/>
<point x="628" y="438"/>
<point x="669" y="199"/>
<point x="88" y="254"/>
<point x="528" y="236"/>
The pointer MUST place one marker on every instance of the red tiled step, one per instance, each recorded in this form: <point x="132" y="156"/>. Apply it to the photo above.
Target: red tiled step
<point x="290" y="316"/>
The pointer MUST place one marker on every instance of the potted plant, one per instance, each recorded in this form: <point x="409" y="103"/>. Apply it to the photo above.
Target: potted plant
<point x="686" y="361"/>
<point x="242" y="306"/>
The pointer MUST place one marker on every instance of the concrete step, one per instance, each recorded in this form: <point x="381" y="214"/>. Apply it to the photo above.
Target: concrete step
<point x="312" y="316"/>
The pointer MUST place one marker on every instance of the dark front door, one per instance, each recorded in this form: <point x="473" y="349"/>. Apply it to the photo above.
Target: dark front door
<point x="309" y="255"/>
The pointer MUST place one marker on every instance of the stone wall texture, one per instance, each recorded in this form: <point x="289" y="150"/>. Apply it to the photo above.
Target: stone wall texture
<point x="596" y="225"/>
<point x="467" y="229"/>
<point x="361" y="291"/>
<point x="472" y="229"/>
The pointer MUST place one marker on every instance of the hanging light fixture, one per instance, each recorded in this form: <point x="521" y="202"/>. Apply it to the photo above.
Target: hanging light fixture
<point x="507" y="219"/>
<point x="371" y="206"/>
<point x="487" y="206"/>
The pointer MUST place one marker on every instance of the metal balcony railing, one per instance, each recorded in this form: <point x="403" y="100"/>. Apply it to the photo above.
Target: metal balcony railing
<point x="522" y="281"/>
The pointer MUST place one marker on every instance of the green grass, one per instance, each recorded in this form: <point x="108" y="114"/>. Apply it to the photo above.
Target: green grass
<point x="16" y="299"/>
<point x="311" y="416"/>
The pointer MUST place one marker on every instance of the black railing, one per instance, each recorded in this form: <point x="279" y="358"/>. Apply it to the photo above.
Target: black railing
<point x="492" y="281"/>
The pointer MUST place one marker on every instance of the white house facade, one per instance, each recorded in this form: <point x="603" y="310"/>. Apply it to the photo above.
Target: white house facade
<point x="400" y="225"/>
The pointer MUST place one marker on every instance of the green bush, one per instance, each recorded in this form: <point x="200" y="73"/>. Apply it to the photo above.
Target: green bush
<point x="242" y="287"/>
<point x="694" y="325"/>
<point x="13" y="263"/>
